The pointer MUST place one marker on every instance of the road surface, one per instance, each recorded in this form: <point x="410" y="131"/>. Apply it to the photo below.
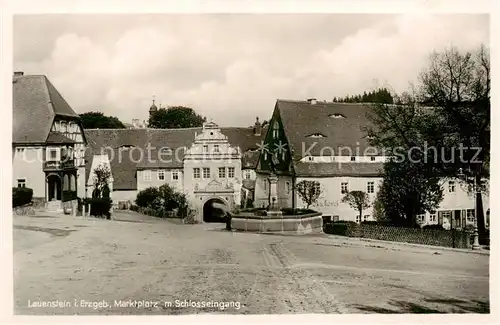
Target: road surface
<point x="145" y="266"/>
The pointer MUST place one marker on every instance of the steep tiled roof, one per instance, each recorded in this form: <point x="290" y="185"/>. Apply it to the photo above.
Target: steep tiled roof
<point x="124" y="141"/>
<point x="35" y="104"/>
<point x="341" y="130"/>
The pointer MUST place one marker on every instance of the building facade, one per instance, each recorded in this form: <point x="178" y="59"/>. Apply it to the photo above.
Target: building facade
<point x="209" y="164"/>
<point x="326" y="142"/>
<point x="48" y="142"/>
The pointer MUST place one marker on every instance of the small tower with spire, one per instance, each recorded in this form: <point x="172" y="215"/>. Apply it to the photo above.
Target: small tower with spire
<point x="153" y="109"/>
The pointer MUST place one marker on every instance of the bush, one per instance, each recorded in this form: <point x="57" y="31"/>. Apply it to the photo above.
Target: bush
<point x="134" y="207"/>
<point x="21" y="196"/>
<point x="146" y="197"/>
<point x="100" y="207"/>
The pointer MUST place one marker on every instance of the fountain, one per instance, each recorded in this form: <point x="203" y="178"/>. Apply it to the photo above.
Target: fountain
<point x="274" y="220"/>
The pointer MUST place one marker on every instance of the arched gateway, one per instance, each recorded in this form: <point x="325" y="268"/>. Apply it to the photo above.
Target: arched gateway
<point x="214" y="210"/>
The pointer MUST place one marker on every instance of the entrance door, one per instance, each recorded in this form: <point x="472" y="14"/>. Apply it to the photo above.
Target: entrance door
<point x="457" y="220"/>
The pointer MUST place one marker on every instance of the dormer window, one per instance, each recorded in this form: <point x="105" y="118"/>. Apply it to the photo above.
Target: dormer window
<point x="316" y="135"/>
<point x="372" y="158"/>
<point x="126" y="146"/>
<point x="216" y="148"/>
<point x="353" y="158"/>
<point x="337" y="115"/>
<point x="205" y="148"/>
<point x="310" y="158"/>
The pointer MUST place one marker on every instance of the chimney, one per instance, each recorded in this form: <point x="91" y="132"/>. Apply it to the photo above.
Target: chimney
<point x="312" y="101"/>
<point x="257" y="129"/>
<point x="18" y="73"/>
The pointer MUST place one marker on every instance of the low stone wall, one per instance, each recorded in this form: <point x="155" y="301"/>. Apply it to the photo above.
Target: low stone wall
<point x="310" y="223"/>
<point x="433" y="237"/>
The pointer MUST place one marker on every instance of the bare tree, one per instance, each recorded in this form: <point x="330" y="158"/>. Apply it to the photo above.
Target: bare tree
<point x="357" y="200"/>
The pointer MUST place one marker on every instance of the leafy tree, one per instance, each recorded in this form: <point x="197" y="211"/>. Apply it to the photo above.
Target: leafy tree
<point x="100" y="204"/>
<point x="175" y="117"/>
<point x="309" y="191"/>
<point x="102" y="175"/>
<point x="381" y="95"/>
<point x="97" y="120"/>
<point x="357" y="200"/>
<point x="146" y="197"/>
<point x="407" y="191"/>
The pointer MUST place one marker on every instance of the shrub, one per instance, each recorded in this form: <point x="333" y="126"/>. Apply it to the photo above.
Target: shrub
<point x="190" y="217"/>
<point x="134" y="207"/>
<point x="100" y="207"/>
<point x="147" y="196"/>
<point x="21" y="196"/>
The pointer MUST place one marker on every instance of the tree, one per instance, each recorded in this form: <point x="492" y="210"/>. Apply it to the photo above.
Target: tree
<point x="102" y="175"/>
<point x="101" y="203"/>
<point x="175" y="117"/>
<point x="357" y="200"/>
<point x="309" y="191"/>
<point x="97" y="120"/>
<point x="407" y="191"/>
<point x="146" y="197"/>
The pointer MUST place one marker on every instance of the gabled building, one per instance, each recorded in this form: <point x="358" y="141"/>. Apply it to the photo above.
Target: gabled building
<point x="48" y="142"/>
<point x="327" y="142"/>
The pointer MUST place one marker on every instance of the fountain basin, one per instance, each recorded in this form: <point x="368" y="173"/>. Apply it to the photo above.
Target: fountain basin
<point x="308" y="223"/>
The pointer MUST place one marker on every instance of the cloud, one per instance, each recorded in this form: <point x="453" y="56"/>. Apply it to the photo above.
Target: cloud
<point x="233" y="67"/>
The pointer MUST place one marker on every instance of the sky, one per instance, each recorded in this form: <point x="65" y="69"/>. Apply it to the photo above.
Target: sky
<point x="231" y="68"/>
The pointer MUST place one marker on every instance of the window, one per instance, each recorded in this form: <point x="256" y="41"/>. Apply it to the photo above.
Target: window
<point x="358" y="219"/>
<point x="20" y="150"/>
<point x="52" y="154"/>
<point x="161" y="175"/>
<point x="63" y="127"/>
<point x="353" y="158"/>
<point x="205" y="148"/>
<point x="370" y="188"/>
<point x="421" y="218"/>
<point x="216" y="148"/>
<point x="206" y="172"/>
<point x="196" y="173"/>
<point x="470" y="215"/>
<point x="372" y="158"/>
<point x="344" y="189"/>
<point x="366" y="217"/>
<point x="432" y="217"/>
<point x="147" y="175"/>
<point x="310" y="158"/>
<point x="451" y="186"/>
<point x="21" y="182"/>
<point x="287" y="187"/>
<point x="230" y="172"/>
<point x="175" y="175"/>
<point x="248" y="175"/>
<point x="335" y="218"/>
<point x="222" y="172"/>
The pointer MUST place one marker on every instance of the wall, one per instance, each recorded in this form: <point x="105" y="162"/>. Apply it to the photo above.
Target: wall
<point x="29" y="165"/>
<point x="434" y="237"/>
<point x="155" y="182"/>
<point x="124" y="195"/>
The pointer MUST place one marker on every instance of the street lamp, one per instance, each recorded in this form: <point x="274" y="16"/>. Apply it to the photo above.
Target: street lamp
<point x="466" y="176"/>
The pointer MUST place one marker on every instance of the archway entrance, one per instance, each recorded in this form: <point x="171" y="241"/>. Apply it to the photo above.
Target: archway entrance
<point x="212" y="213"/>
<point x="54" y="188"/>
